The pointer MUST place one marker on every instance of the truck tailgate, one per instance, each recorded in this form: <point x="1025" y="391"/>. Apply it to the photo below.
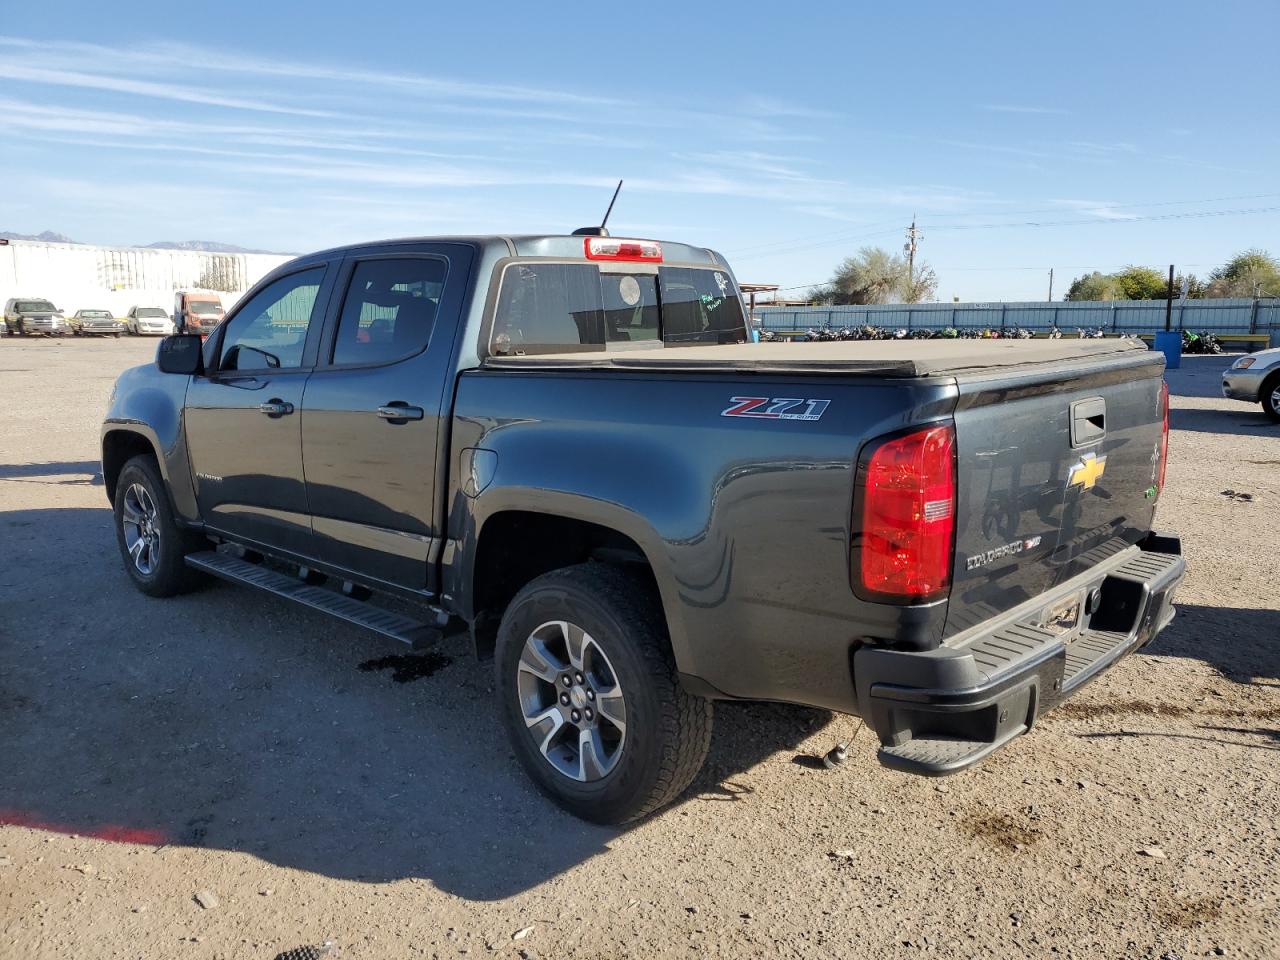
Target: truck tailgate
<point x="1056" y="471"/>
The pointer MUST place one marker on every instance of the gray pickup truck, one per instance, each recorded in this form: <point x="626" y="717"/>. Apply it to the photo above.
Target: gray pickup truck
<point x="563" y="446"/>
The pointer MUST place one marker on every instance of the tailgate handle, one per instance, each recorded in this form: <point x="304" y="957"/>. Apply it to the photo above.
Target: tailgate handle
<point x="1088" y="421"/>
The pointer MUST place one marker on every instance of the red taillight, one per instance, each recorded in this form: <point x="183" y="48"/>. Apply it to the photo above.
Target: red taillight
<point x="908" y="506"/>
<point x="1164" y="433"/>
<point x="611" y="248"/>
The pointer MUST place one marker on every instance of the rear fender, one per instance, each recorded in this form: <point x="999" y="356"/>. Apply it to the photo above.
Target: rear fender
<point x="521" y="483"/>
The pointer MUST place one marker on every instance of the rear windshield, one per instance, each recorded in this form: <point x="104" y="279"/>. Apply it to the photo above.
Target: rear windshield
<point x="148" y="312"/>
<point x="204" y="306"/>
<point x="33" y="306"/>
<point x="569" y="307"/>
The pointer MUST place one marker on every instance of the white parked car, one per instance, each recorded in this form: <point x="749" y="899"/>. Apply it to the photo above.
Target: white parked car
<point x="148" y="320"/>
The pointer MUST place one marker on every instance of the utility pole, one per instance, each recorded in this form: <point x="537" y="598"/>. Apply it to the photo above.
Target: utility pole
<point x="1168" y="304"/>
<point x="1051" y="284"/>
<point x="909" y="248"/>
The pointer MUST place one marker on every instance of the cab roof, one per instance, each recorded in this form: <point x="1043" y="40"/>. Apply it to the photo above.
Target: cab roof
<point x="560" y="246"/>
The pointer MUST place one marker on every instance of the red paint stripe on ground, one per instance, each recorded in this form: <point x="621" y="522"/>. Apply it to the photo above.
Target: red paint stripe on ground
<point x="115" y="833"/>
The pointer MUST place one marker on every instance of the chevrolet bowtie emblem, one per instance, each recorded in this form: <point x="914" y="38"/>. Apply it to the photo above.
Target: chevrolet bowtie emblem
<point x="1087" y="471"/>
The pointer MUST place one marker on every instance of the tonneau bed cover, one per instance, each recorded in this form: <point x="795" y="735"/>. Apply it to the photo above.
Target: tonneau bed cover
<point x="893" y="358"/>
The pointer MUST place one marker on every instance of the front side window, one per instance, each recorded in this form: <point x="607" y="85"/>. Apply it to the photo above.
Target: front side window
<point x="389" y="310"/>
<point x="571" y="307"/>
<point x="270" y="330"/>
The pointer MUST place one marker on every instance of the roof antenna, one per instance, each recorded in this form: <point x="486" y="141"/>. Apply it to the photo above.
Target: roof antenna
<point x="600" y="231"/>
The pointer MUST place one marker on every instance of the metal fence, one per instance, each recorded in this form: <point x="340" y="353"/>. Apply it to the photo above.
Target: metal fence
<point x="1113" y="316"/>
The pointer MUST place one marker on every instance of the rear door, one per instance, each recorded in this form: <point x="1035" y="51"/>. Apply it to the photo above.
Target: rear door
<point x="1055" y="473"/>
<point x="243" y="431"/>
<point x="375" y="410"/>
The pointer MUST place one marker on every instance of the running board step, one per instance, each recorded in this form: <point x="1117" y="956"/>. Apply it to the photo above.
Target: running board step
<point x="393" y="625"/>
<point x="938" y="756"/>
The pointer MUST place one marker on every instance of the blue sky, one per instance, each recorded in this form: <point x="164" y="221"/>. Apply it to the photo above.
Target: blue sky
<point x="1023" y="136"/>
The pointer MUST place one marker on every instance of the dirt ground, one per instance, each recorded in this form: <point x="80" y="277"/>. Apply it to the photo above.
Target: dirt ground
<point x="226" y="775"/>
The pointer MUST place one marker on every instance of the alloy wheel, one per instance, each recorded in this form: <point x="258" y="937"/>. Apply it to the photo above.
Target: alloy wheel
<point x="141" y="528"/>
<point x="572" y="702"/>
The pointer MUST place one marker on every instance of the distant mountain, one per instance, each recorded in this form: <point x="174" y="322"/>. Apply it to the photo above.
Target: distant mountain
<point x="200" y="246"/>
<point x="203" y="246"/>
<point x="48" y="236"/>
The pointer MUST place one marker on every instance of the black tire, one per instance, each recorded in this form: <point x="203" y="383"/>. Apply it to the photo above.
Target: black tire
<point x="668" y="730"/>
<point x="168" y="573"/>
<point x="1269" y="396"/>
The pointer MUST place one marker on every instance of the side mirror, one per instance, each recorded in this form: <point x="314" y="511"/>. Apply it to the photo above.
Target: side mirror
<point x="181" y="353"/>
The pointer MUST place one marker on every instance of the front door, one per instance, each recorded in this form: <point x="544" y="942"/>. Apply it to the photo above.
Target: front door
<point x="371" y="415"/>
<point x="242" y="419"/>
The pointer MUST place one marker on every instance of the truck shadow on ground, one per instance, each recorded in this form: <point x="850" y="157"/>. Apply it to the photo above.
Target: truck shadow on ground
<point x="84" y="472"/>
<point x="230" y="720"/>
<point x="1241" y="644"/>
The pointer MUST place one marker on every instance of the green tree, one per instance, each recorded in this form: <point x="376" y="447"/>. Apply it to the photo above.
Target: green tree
<point x="1254" y="273"/>
<point x="1141" y="283"/>
<point x="876" y="276"/>
<point x="1094" y="286"/>
<point x="922" y="286"/>
<point x="873" y="276"/>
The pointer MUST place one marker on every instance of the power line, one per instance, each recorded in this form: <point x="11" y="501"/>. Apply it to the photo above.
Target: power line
<point x="807" y="242"/>
<point x="1194" y="215"/>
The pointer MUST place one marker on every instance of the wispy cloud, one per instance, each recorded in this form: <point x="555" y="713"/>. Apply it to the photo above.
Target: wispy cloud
<point x="1028" y="109"/>
<point x="146" y="88"/>
<point x="1101" y="209"/>
<point x="224" y="61"/>
<point x="772" y="107"/>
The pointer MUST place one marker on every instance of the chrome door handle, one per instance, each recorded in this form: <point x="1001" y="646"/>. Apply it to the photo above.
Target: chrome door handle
<point x="397" y="411"/>
<point x="276" y="408"/>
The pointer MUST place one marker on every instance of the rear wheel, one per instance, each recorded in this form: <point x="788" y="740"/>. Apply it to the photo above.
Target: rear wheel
<point x="152" y="544"/>
<point x="1270" y="397"/>
<point x="590" y="698"/>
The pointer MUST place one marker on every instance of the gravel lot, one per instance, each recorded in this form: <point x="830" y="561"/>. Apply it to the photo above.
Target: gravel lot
<point x="232" y="749"/>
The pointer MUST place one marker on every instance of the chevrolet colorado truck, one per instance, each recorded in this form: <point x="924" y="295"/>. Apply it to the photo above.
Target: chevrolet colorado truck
<point x="564" y="447"/>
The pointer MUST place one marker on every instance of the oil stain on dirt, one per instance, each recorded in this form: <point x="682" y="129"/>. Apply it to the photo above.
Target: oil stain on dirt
<point x="1185" y="914"/>
<point x="1000" y="830"/>
<point x="406" y="667"/>
<point x="1119" y="708"/>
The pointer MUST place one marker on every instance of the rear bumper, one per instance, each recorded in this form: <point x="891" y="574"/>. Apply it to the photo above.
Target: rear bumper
<point x="939" y="711"/>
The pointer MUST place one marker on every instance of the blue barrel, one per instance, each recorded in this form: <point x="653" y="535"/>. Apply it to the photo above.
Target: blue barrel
<point x="1170" y="344"/>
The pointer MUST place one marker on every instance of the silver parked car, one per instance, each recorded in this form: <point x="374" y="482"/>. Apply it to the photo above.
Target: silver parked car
<point x="1255" y="379"/>
<point x="24" y="315"/>
<point x="100" y="323"/>
<point x="148" y="320"/>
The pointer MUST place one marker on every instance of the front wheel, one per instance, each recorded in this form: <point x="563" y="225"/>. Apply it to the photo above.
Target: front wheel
<point x="1270" y="397"/>
<point x="589" y="695"/>
<point x="152" y="544"/>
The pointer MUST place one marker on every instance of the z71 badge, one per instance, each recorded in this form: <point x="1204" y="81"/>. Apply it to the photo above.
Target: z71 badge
<point x="776" y="408"/>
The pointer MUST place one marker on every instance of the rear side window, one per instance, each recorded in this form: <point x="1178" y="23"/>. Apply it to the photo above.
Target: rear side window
<point x="569" y="307"/>
<point x="700" y="306"/>
<point x="389" y="310"/>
